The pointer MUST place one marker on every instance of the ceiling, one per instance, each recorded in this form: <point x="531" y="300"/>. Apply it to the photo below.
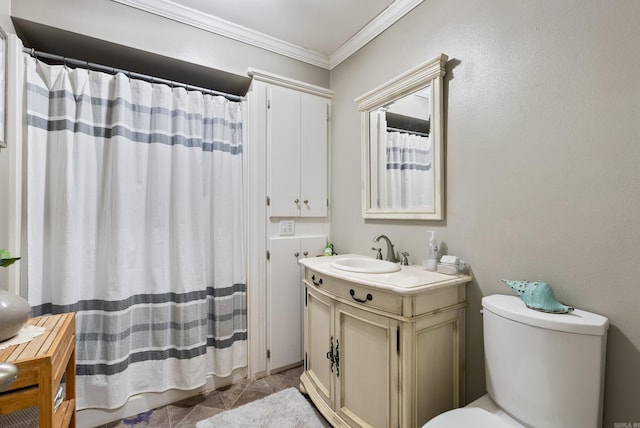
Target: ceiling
<point x="319" y="32"/>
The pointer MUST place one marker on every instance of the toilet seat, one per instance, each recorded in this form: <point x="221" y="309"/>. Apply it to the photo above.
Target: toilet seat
<point x="466" y="417"/>
<point x="482" y="413"/>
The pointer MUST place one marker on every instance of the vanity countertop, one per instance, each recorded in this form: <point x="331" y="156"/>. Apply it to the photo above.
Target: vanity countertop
<point x="408" y="280"/>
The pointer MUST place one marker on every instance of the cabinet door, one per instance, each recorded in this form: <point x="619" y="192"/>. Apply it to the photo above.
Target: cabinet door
<point x="285" y="320"/>
<point x="438" y="366"/>
<point x="283" y="140"/>
<point x="297" y="153"/>
<point x="313" y="156"/>
<point x="367" y="392"/>
<point x="311" y="246"/>
<point x="318" y="340"/>
<point x="286" y="297"/>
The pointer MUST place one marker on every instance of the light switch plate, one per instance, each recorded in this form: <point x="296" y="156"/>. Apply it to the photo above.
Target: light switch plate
<point x="287" y="227"/>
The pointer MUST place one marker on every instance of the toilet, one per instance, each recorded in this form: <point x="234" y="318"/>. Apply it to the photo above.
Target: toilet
<point x="542" y="370"/>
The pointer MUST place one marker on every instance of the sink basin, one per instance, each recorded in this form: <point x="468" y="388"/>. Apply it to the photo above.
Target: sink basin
<point x="364" y="265"/>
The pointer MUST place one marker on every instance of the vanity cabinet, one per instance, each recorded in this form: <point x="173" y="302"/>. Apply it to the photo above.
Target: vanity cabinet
<point x="348" y="351"/>
<point x="379" y="355"/>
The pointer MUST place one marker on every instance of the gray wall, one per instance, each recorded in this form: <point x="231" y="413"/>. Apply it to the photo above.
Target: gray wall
<point x="542" y="123"/>
<point x="542" y="162"/>
<point x="5" y="23"/>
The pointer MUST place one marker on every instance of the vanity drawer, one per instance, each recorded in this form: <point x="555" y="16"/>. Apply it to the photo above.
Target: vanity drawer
<point x="355" y="293"/>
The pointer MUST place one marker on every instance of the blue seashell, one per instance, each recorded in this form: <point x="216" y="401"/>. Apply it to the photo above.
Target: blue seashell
<point x="538" y="295"/>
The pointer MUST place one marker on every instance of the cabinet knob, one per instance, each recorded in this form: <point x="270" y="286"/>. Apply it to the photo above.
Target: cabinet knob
<point x="306" y="201"/>
<point x="306" y="253"/>
<point x="296" y="254"/>
<point x="296" y="201"/>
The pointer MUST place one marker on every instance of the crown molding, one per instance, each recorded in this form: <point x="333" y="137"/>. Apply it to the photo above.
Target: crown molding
<point x="386" y="19"/>
<point x="213" y="24"/>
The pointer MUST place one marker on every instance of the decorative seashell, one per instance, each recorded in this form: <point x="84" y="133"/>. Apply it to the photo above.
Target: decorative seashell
<point x="538" y="295"/>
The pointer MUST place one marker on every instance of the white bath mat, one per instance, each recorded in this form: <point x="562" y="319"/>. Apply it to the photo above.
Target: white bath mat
<point x="284" y="409"/>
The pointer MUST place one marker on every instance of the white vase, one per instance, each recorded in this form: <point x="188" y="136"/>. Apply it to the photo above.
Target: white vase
<point x="14" y="313"/>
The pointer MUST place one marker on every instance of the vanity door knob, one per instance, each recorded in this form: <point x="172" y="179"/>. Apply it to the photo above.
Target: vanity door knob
<point x="337" y="357"/>
<point x="330" y="355"/>
<point x="296" y="254"/>
<point x="306" y="253"/>
<point x="296" y="201"/>
<point x="306" y="201"/>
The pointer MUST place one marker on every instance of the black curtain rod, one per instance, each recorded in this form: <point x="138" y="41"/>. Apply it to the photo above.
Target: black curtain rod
<point x="131" y="74"/>
<point x="406" y="131"/>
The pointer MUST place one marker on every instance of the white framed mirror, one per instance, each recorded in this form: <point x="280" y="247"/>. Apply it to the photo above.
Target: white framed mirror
<point x="403" y="146"/>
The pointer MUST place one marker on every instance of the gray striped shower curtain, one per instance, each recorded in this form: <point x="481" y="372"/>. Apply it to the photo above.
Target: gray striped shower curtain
<point x="135" y="221"/>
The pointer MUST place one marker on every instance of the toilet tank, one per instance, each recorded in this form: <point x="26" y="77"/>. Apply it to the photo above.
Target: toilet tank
<point x="546" y="370"/>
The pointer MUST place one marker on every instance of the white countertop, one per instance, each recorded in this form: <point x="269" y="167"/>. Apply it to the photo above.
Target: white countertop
<point x="408" y="280"/>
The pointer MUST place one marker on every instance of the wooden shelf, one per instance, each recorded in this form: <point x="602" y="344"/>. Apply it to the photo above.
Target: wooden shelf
<point x="42" y="363"/>
<point x="64" y="414"/>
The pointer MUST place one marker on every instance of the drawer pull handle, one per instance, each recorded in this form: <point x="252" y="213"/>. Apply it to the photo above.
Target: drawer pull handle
<point x="313" y="279"/>
<point x="365" y="300"/>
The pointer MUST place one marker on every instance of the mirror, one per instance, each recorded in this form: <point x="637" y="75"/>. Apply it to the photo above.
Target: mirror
<point x="402" y="145"/>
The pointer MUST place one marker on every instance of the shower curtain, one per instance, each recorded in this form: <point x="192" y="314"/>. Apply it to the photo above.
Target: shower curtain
<point x="135" y="222"/>
<point x="408" y="179"/>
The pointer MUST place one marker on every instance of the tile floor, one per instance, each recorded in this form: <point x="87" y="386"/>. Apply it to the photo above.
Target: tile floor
<point x="186" y="413"/>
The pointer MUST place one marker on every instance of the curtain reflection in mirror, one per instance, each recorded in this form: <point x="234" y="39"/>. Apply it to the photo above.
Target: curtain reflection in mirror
<point x="403" y="162"/>
<point x="408" y="170"/>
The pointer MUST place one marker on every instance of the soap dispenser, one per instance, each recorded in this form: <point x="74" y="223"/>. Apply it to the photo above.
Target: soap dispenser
<point x="432" y="253"/>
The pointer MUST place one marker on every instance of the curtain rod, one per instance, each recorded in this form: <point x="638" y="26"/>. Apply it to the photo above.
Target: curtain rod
<point x="406" y="131"/>
<point x="132" y="74"/>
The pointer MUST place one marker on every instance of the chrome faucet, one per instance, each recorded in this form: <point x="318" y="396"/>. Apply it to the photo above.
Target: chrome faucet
<point x="391" y="254"/>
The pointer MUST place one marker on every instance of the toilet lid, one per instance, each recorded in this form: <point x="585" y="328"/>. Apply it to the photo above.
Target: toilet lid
<point x="467" y="417"/>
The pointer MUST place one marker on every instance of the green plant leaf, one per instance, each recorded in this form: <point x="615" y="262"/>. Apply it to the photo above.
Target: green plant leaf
<point x="6" y="259"/>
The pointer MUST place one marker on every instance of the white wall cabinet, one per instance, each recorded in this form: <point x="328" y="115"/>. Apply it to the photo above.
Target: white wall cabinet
<point x="377" y="358"/>
<point x="297" y="135"/>
<point x="285" y="297"/>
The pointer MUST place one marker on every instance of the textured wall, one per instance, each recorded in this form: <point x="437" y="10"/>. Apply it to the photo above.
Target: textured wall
<point x="542" y="121"/>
